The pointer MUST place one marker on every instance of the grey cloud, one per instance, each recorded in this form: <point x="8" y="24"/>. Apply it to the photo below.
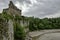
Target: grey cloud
<point x="41" y="9"/>
<point x="50" y="7"/>
<point x="3" y="4"/>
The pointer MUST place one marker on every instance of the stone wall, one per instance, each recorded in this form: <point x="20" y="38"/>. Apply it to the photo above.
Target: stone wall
<point x="10" y="30"/>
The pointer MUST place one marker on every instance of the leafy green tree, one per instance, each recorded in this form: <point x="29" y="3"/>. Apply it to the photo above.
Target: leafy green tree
<point x="19" y="33"/>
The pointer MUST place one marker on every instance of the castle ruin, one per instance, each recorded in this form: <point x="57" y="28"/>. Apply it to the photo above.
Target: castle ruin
<point x="7" y="29"/>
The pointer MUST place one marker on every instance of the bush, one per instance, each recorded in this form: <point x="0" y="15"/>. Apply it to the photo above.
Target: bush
<point x="19" y="33"/>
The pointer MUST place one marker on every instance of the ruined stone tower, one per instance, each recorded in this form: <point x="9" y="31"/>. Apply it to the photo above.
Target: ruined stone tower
<point x="12" y="10"/>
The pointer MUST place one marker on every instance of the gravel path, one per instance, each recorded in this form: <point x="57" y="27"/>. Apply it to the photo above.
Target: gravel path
<point x="51" y="36"/>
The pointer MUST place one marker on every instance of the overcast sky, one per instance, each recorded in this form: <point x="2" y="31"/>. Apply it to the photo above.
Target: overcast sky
<point x="36" y="8"/>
